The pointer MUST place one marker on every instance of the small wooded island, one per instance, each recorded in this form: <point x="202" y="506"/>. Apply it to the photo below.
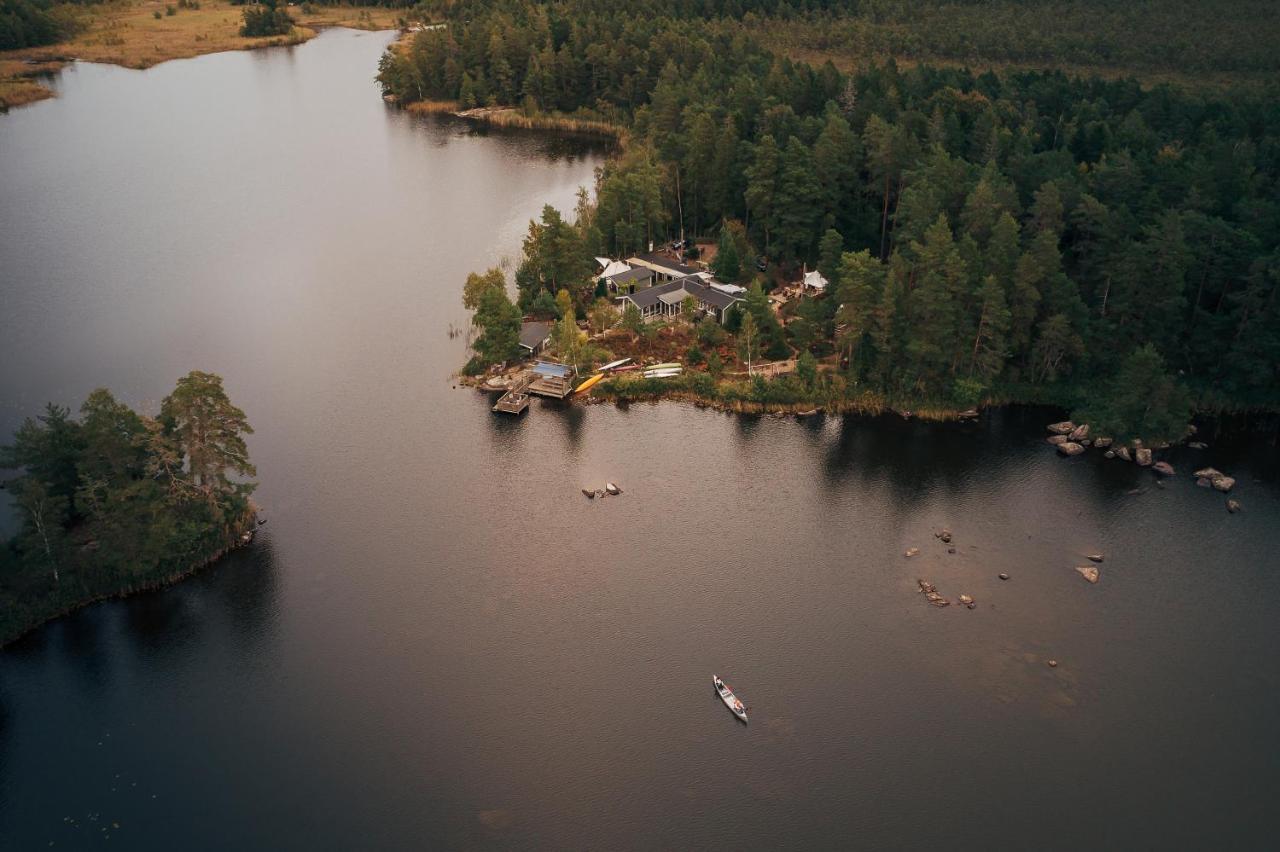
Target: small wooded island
<point x="919" y="237"/>
<point x="114" y="502"/>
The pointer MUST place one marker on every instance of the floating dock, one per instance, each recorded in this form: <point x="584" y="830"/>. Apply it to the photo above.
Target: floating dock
<point x="516" y="399"/>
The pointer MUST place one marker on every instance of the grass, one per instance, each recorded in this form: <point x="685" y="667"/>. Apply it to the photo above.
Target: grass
<point x="501" y="116"/>
<point x="128" y="33"/>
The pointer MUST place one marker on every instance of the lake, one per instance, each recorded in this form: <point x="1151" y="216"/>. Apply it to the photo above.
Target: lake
<point x="438" y="642"/>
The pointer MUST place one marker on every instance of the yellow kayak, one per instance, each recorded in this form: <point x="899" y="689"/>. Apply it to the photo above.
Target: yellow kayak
<point x="589" y="383"/>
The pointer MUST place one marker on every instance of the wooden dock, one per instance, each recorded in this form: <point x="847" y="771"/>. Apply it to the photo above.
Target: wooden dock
<point x="516" y="399"/>
<point x="552" y="386"/>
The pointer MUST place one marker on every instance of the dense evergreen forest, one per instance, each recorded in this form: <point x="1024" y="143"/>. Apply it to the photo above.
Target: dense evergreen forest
<point x="28" y="23"/>
<point x="1021" y="235"/>
<point x="115" y="501"/>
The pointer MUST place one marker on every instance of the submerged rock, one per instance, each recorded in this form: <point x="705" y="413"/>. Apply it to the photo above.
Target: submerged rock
<point x="1057" y="439"/>
<point x="1053" y="664"/>
<point x="1080" y="432"/>
<point x="1142" y="456"/>
<point x="931" y="594"/>
<point x="1223" y="483"/>
<point x="1102" y="442"/>
<point x="1109" y="454"/>
<point x="911" y="551"/>
<point x="966" y="600"/>
<point x="1089" y="572"/>
<point x="1123" y="452"/>
<point x="1003" y="576"/>
<point x="1070" y="449"/>
<point x="1062" y="428"/>
<point x="1163" y="468"/>
<point x="1208" y="472"/>
<point x="1233" y="506"/>
<point x="1197" y="445"/>
<point x="1095" y="557"/>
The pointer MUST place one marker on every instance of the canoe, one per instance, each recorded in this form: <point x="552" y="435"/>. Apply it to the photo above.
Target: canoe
<point x="675" y="365"/>
<point x="613" y="365"/>
<point x="590" y="383"/>
<point x="665" y="373"/>
<point x="730" y="700"/>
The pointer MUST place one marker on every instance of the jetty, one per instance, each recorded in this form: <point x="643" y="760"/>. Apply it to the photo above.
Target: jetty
<point x="516" y="399"/>
<point x="552" y="379"/>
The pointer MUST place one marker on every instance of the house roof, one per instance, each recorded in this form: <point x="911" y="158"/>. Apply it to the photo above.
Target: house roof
<point x="674" y="292"/>
<point x="815" y="280"/>
<point x="613" y="267"/>
<point x="664" y="262"/>
<point x="638" y="273"/>
<point x="534" y="334"/>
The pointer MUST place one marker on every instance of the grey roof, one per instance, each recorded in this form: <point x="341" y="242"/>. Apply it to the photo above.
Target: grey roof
<point x="638" y="273"/>
<point x="666" y="263"/>
<point x="533" y="334"/>
<point x="674" y="292"/>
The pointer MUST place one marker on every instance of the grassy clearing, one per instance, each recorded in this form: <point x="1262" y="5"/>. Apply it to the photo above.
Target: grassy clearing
<point x="129" y="33"/>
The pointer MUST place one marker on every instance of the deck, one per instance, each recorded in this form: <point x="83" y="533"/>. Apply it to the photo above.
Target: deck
<point x="516" y="399"/>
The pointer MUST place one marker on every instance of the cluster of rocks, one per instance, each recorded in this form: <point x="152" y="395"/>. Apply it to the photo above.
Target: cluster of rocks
<point x="1210" y="477"/>
<point x="932" y="596"/>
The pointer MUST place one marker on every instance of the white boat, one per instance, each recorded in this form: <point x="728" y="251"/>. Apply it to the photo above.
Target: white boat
<point x="613" y="365"/>
<point x="730" y="700"/>
<point x="665" y="373"/>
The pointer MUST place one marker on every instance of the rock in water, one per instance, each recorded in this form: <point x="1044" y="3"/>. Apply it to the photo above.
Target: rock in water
<point x="1198" y="445"/>
<point x="911" y="551"/>
<point x="1208" y="473"/>
<point x="1070" y="449"/>
<point x="1233" y="506"/>
<point x="1163" y="468"/>
<point x="1123" y="452"/>
<point x="1102" y="443"/>
<point x="1079" y="433"/>
<point x="1223" y="483"/>
<point x="1089" y="572"/>
<point x="1057" y="439"/>
<point x="1109" y="454"/>
<point x="1142" y="456"/>
<point x="1062" y="428"/>
<point x="966" y="600"/>
<point x="1003" y="576"/>
<point x="1053" y="664"/>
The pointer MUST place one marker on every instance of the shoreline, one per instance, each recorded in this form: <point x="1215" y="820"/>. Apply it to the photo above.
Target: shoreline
<point x="62" y="610"/>
<point x="513" y="117"/>
<point x="130" y="35"/>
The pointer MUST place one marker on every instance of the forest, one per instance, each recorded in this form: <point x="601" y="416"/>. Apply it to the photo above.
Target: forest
<point x="1022" y="235"/>
<point x="114" y="501"/>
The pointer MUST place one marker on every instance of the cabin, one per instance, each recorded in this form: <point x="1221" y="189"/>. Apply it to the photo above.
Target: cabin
<point x="664" y="268"/>
<point x="663" y="301"/>
<point x="629" y="281"/>
<point x="534" y="337"/>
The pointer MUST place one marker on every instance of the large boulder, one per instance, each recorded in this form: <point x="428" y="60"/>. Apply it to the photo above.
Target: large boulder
<point x="1070" y="449"/>
<point x="1089" y="572"/>
<point x="1102" y="442"/>
<point x="1079" y="433"/>
<point x="1163" y="468"/>
<point x="1123" y="452"/>
<point x="1208" y="472"/>
<point x="1063" y="428"/>
<point x="1223" y="483"/>
<point x="1142" y="456"/>
<point x="1057" y="439"/>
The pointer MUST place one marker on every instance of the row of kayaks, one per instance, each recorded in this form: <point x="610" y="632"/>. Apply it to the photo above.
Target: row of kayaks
<point x="657" y="371"/>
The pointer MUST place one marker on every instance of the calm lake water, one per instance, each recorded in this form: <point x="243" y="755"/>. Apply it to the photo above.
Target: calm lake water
<point x="439" y="643"/>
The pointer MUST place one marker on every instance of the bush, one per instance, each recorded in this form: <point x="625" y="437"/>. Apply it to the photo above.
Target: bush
<point x="170" y="11"/>
<point x="694" y="355"/>
<point x="474" y="367"/>
<point x="967" y="392"/>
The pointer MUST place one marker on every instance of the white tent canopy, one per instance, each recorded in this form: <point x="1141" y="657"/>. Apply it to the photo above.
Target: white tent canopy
<point x="814" y="281"/>
<point x="612" y="267"/>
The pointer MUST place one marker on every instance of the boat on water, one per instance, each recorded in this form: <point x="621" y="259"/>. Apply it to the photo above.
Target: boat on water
<point x="730" y="700"/>
<point x="590" y="383"/>
<point x="613" y="365"/>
